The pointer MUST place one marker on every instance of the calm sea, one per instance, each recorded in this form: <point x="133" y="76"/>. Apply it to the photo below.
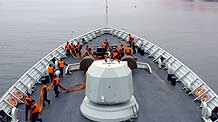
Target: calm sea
<point x="30" y="29"/>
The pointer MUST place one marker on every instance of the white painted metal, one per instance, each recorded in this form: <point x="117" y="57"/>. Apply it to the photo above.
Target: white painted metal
<point x="113" y="74"/>
<point x="72" y="67"/>
<point x="141" y="65"/>
<point x="110" y="97"/>
<point x="13" y="113"/>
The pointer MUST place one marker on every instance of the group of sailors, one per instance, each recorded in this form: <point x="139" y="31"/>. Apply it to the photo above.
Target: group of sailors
<point x="73" y="50"/>
<point x="116" y="54"/>
<point x="55" y="73"/>
<point x="33" y="107"/>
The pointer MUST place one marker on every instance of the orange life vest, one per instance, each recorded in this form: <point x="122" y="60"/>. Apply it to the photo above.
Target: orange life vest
<point x="128" y="50"/>
<point x="119" y="50"/>
<point x="88" y="51"/>
<point x="50" y="69"/>
<point x="61" y="64"/>
<point x="104" y="46"/>
<point x="72" y="47"/>
<point x="67" y="46"/>
<point x="106" y="43"/>
<point x="79" y="46"/>
<point x="57" y="81"/>
<point x="36" y="110"/>
<point x="115" y="54"/>
<point x="28" y="100"/>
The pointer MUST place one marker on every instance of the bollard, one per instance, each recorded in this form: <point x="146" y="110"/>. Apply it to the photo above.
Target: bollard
<point x="159" y="63"/>
<point x="206" y="113"/>
<point x="13" y="115"/>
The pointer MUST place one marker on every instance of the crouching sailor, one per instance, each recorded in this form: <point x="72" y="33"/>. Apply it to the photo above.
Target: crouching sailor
<point x="56" y="82"/>
<point x="35" y="112"/>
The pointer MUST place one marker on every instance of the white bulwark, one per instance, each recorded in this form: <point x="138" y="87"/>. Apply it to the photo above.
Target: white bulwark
<point x="109" y="92"/>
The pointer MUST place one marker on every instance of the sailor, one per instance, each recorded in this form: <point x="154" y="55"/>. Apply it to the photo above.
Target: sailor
<point x="104" y="47"/>
<point x="133" y="46"/>
<point x="45" y="91"/>
<point x="73" y="52"/>
<point x="61" y="64"/>
<point x="119" y="51"/>
<point x="56" y="82"/>
<point x="88" y="50"/>
<point x="107" y="56"/>
<point x="67" y="47"/>
<point x="35" y="111"/>
<point x="106" y="42"/>
<point x="130" y="39"/>
<point x="115" y="55"/>
<point x="28" y="101"/>
<point x="122" y="51"/>
<point x="128" y="50"/>
<point x="51" y="71"/>
<point x="78" y="49"/>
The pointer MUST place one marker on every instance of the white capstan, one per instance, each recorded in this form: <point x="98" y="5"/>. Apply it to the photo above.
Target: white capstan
<point x="109" y="92"/>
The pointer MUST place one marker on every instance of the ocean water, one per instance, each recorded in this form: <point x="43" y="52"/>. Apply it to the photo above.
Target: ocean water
<point x="30" y="29"/>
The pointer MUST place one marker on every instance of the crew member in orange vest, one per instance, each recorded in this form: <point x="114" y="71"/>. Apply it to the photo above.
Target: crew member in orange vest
<point x="28" y="101"/>
<point x="61" y="64"/>
<point x="128" y="51"/>
<point x="73" y="52"/>
<point x="104" y="47"/>
<point x="106" y="42"/>
<point x="133" y="46"/>
<point x="35" y="112"/>
<point x="67" y="47"/>
<point x="45" y="91"/>
<point x="88" y="50"/>
<point x="119" y="51"/>
<point x="115" y="55"/>
<point x="56" y="82"/>
<point x="51" y="72"/>
<point x="78" y="49"/>
<point x="130" y="39"/>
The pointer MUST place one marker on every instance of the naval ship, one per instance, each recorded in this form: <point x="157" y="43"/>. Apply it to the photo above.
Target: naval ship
<point x="149" y="86"/>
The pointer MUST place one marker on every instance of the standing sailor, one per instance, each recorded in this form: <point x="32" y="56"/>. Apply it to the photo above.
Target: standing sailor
<point x="73" y="52"/>
<point x="28" y="101"/>
<point x="78" y="49"/>
<point x="61" y="64"/>
<point x="45" y="93"/>
<point x="122" y="51"/>
<point x="35" y="112"/>
<point x="133" y="46"/>
<point x="51" y="72"/>
<point x="129" y="39"/>
<point x="67" y="47"/>
<point x="56" y="82"/>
